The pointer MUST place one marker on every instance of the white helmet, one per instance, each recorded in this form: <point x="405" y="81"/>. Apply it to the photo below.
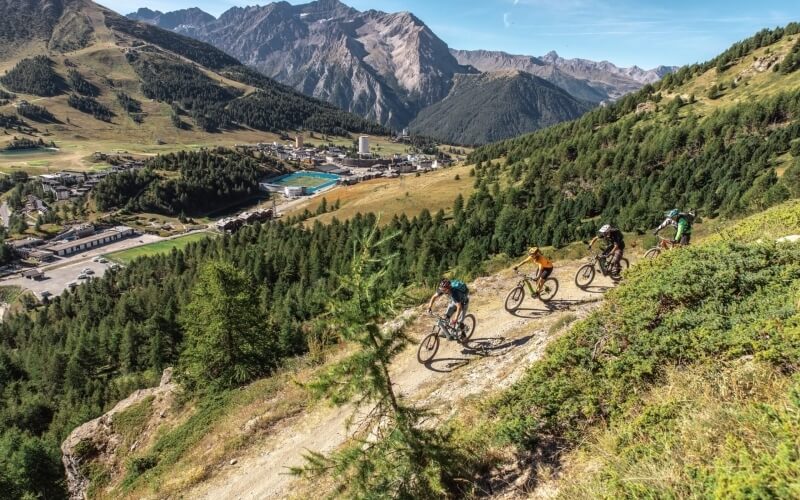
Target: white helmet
<point x="606" y="228"/>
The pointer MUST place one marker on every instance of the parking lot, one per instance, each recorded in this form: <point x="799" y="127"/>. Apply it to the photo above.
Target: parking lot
<point x="59" y="274"/>
<point x="56" y="280"/>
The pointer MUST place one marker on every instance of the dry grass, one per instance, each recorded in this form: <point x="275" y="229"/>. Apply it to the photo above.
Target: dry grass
<point x="248" y="418"/>
<point x="407" y="195"/>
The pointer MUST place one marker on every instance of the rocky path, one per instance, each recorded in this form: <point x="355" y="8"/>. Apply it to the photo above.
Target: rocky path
<point x="502" y="346"/>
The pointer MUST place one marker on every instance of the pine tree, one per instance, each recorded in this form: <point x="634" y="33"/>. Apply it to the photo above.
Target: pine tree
<point x="225" y="341"/>
<point x="391" y="454"/>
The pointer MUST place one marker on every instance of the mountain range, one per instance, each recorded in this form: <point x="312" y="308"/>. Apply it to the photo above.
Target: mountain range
<point x="585" y="79"/>
<point x="389" y="67"/>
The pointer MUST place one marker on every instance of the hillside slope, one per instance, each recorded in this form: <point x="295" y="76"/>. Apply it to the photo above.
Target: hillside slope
<point x="527" y="363"/>
<point x="113" y="79"/>
<point x="279" y="434"/>
<point x="684" y="384"/>
<point x="720" y="137"/>
<point x="494" y="106"/>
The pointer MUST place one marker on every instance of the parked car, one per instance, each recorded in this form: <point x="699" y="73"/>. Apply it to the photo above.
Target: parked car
<point x="83" y="276"/>
<point x="102" y="260"/>
<point x="72" y="284"/>
<point x="87" y="271"/>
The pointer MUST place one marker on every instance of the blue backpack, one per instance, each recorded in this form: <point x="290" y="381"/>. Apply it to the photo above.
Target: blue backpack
<point x="459" y="286"/>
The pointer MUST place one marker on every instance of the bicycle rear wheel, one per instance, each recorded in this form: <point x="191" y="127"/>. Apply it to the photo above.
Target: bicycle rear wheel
<point x="624" y="264"/>
<point x="549" y="290"/>
<point x="652" y="253"/>
<point x="469" y="327"/>
<point x="585" y="276"/>
<point x="514" y="298"/>
<point x="428" y="347"/>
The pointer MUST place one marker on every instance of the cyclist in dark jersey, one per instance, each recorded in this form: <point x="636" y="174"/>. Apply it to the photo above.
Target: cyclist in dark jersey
<point x="614" y="249"/>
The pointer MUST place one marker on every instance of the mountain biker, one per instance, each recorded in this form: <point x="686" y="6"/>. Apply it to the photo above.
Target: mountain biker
<point x="682" y="222"/>
<point x="545" y="266"/>
<point x="459" y="301"/>
<point x="614" y="249"/>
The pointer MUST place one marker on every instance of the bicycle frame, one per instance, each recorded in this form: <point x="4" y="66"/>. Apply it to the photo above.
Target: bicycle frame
<point x="666" y="243"/>
<point x="444" y="324"/>
<point x="530" y="280"/>
<point x="601" y="262"/>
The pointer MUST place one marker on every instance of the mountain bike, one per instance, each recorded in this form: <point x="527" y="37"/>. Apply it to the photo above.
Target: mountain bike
<point x="430" y="343"/>
<point x="517" y="294"/>
<point x="663" y="244"/>
<point x="586" y="274"/>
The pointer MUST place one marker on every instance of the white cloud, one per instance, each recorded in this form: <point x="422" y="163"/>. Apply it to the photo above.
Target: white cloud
<point x="507" y="19"/>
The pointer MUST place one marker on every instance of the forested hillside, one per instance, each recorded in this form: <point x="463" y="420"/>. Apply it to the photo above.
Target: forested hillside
<point x="66" y="362"/>
<point x="34" y="76"/>
<point x="667" y="145"/>
<point x="471" y="112"/>
<point x="206" y="181"/>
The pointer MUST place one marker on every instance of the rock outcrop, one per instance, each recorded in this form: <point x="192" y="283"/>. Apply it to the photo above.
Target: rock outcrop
<point x="98" y="441"/>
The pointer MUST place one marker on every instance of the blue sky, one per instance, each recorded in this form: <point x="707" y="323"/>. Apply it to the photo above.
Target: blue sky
<point x="625" y="32"/>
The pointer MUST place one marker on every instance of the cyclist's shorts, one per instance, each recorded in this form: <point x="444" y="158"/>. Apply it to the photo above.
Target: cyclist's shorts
<point x="685" y="238"/>
<point x="545" y="273"/>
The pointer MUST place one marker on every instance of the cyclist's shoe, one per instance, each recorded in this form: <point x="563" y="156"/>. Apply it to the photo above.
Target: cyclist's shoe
<point x="616" y="277"/>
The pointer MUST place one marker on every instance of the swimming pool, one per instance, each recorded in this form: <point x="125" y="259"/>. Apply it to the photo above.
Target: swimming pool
<point x="312" y="181"/>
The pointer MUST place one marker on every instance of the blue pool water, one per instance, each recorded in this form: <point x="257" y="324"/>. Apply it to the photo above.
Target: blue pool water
<point x="312" y="181"/>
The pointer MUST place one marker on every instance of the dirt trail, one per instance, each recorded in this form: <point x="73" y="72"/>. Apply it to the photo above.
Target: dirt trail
<point x="502" y="346"/>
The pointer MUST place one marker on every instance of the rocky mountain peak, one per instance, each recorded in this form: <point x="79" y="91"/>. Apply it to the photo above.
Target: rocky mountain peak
<point x="184" y="18"/>
<point x="551" y="56"/>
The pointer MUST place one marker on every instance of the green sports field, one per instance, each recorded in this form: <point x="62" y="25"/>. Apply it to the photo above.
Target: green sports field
<point x="126" y="256"/>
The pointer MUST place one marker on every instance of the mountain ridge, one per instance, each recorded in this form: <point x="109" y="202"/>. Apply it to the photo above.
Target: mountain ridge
<point x="590" y="80"/>
<point x="469" y="112"/>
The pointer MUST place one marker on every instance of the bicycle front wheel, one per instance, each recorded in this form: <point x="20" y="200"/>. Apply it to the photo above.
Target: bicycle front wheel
<point x="624" y="264"/>
<point x="585" y="276"/>
<point x="514" y="298"/>
<point x="469" y="327"/>
<point x="652" y="253"/>
<point x="549" y="290"/>
<point x="428" y="347"/>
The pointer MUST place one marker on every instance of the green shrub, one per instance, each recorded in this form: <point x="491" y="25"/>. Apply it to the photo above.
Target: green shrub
<point x="139" y="465"/>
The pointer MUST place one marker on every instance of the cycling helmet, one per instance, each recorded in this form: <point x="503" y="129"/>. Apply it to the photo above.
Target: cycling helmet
<point x="444" y="284"/>
<point x="606" y="228"/>
<point x="534" y="251"/>
<point x="672" y="213"/>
